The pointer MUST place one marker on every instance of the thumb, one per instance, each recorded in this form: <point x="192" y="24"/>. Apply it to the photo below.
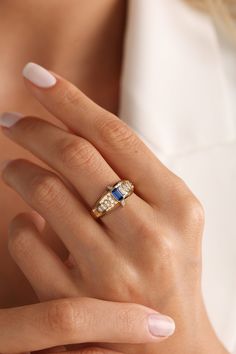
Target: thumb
<point x="79" y="320"/>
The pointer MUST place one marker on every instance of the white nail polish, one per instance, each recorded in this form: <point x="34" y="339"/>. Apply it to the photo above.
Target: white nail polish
<point x="8" y="119"/>
<point x="160" y="325"/>
<point x="38" y="75"/>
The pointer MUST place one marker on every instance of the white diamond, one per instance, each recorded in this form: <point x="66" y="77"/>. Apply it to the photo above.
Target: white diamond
<point x="126" y="188"/>
<point x="100" y="208"/>
<point x="122" y="189"/>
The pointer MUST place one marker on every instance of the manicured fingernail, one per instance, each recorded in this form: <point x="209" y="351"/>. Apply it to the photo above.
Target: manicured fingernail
<point x="4" y="164"/>
<point x="7" y="119"/>
<point x="161" y="326"/>
<point x="38" y="75"/>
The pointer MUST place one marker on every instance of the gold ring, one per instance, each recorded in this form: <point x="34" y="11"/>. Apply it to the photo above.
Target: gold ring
<point x="113" y="197"/>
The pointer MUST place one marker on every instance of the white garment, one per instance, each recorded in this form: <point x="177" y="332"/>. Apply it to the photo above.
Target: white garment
<point x="179" y="94"/>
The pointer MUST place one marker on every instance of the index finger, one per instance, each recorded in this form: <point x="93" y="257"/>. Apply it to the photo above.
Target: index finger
<point x="120" y="146"/>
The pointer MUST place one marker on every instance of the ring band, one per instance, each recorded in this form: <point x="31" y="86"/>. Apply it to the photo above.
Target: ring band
<point x="114" y="196"/>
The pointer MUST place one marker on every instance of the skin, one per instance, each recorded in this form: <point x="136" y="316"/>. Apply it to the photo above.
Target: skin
<point x="88" y="53"/>
<point x="148" y="252"/>
<point x="50" y="324"/>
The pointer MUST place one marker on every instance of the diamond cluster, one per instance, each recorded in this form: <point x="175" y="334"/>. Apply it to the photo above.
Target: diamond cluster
<point x="106" y="203"/>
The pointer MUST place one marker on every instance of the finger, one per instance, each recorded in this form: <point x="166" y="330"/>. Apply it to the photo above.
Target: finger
<point x="76" y="159"/>
<point x="78" y="320"/>
<point x="47" y="194"/>
<point x="120" y="146"/>
<point x="42" y="267"/>
<point x="58" y="349"/>
<point x="38" y="220"/>
<point x="87" y="350"/>
<point x="49" y="235"/>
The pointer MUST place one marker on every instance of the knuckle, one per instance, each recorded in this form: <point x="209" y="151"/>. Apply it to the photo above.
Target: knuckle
<point x="78" y="153"/>
<point x="60" y="317"/>
<point x="115" y="131"/>
<point x="68" y="318"/>
<point x="179" y="189"/>
<point x="166" y="247"/>
<point x="148" y="230"/>
<point x="187" y="205"/>
<point x="156" y="236"/>
<point x="147" y="224"/>
<point x="194" y="211"/>
<point x="128" y="288"/>
<point x="45" y="190"/>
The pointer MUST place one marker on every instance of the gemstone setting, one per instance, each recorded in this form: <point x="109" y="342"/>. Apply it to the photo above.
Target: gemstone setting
<point x="114" y="196"/>
<point x="117" y="194"/>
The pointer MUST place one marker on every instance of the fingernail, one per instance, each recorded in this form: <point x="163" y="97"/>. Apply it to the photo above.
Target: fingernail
<point x="38" y="75"/>
<point x="7" y="119"/>
<point x="4" y="164"/>
<point x="161" y="326"/>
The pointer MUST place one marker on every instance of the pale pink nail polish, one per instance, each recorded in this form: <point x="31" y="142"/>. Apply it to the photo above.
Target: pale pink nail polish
<point x="38" y="75"/>
<point x="8" y="119"/>
<point x="161" y="326"/>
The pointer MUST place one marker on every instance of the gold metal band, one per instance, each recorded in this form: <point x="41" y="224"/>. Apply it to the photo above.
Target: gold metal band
<point x="113" y="197"/>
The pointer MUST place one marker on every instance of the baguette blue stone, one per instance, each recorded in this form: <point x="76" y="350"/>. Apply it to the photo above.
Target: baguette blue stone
<point x="117" y="194"/>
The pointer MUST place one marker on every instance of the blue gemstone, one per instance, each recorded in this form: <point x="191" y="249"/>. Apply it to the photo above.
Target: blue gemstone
<point x="117" y="194"/>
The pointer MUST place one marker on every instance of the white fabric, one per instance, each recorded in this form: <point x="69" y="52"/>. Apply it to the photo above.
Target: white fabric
<point x="179" y="93"/>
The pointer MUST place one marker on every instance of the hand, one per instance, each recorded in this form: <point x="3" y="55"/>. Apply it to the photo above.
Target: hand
<point x="149" y="251"/>
<point x="73" y="320"/>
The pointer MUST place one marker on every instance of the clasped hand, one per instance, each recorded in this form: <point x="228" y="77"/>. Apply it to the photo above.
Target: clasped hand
<point x="148" y="252"/>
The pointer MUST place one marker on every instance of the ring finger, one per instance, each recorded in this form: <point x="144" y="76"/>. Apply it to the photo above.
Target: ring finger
<point x="78" y="160"/>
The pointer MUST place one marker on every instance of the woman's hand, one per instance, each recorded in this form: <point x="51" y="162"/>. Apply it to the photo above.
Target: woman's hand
<point x="147" y="252"/>
<point x="74" y="320"/>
